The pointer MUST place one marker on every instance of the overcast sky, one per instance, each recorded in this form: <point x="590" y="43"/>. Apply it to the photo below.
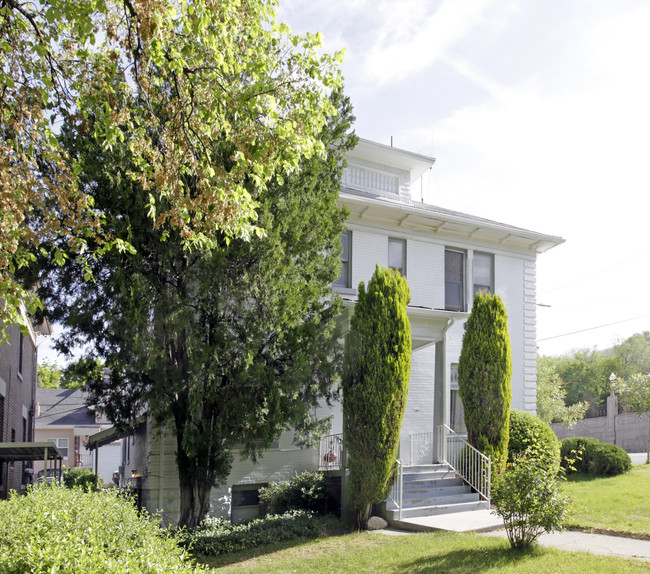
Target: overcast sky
<point x="538" y="115"/>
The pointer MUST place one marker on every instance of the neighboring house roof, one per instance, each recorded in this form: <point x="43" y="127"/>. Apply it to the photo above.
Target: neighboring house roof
<point x="63" y="407"/>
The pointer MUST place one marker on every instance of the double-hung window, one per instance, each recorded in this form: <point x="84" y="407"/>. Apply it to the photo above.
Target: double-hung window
<point x="61" y="444"/>
<point x="483" y="273"/>
<point x="454" y="280"/>
<point x="397" y="255"/>
<point x="345" y="278"/>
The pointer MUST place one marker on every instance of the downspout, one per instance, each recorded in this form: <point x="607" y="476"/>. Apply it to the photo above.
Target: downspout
<point x="161" y="471"/>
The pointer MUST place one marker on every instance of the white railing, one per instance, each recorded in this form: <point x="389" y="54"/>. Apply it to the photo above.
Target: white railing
<point x="470" y="464"/>
<point x="331" y="452"/>
<point x="395" y="495"/>
<point x="421" y="448"/>
<point x="85" y="460"/>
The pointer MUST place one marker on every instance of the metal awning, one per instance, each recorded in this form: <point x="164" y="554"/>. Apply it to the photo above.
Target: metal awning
<point x="19" y="451"/>
<point x="112" y="434"/>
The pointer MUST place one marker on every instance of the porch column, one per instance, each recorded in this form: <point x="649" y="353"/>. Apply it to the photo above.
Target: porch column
<point x="439" y="396"/>
<point x="440" y="390"/>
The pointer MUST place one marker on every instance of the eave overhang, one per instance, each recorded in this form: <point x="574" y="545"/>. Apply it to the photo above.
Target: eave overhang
<point x="363" y="208"/>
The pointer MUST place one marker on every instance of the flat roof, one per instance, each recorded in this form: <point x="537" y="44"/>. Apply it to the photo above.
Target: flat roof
<point x="17" y="451"/>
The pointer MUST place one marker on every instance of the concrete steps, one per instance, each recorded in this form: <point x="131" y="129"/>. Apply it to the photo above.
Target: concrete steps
<point x="432" y="490"/>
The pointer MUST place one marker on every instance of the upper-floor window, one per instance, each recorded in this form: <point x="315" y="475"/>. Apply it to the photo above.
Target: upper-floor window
<point x="344" y="279"/>
<point x="483" y="273"/>
<point x="397" y="255"/>
<point x="454" y="280"/>
<point x="61" y="444"/>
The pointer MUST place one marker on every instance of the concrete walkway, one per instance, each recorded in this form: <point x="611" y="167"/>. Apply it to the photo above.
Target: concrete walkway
<point x="489" y="525"/>
<point x="594" y="543"/>
<point x="484" y="521"/>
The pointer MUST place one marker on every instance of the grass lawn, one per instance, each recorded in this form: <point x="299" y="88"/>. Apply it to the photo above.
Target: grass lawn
<point x="617" y="504"/>
<point x="444" y="552"/>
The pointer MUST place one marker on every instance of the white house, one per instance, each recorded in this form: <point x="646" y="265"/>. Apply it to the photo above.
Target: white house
<point x="446" y="257"/>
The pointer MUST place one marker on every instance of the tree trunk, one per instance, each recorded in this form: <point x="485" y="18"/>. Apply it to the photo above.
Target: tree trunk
<point x="195" y="503"/>
<point x="362" y="517"/>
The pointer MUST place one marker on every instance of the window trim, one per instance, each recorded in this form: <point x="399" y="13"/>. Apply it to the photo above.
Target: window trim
<point x="347" y="263"/>
<point x="58" y="446"/>
<point x="401" y="242"/>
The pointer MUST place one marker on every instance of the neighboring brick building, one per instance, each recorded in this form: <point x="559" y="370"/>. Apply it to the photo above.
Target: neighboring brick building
<point x="18" y="373"/>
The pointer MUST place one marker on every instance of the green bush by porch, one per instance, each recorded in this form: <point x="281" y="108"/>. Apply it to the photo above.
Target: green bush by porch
<point x="484" y="372"/>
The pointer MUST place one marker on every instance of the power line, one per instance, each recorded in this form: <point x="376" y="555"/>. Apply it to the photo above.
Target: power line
<point x="590" y="275"/>
<point x="592" y="328"/>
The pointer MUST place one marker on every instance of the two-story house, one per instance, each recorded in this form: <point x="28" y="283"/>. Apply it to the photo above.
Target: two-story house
<point x="446" y="257"/>
<point x="64" y="419"/>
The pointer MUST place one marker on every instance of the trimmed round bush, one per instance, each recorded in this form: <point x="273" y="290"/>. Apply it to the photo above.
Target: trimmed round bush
<point x="599" y="458"/>
<point x="69" y="530"/>
<point x="577" y="453"/>
<point x="609" y="460"/>
<point x="531" y="434"/>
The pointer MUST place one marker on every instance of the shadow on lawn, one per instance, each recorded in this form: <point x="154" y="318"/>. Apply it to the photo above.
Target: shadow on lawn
<point x="244" y="555"/>
<point x="479" y="560"/>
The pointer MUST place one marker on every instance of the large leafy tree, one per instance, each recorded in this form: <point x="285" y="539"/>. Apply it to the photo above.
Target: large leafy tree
<point x="167" y="83"/>
<point x="230" y="343"/>
<point x="551" y="393"/>
<point x="49" y="375"/>
<point x="375" y="381"/>
<point x="484" y="372"/>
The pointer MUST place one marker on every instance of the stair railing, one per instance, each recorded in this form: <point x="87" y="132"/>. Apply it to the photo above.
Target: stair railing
<point x="468" y="462"/>
<point x="395" y="495"/>
<point x="421" y="448"/>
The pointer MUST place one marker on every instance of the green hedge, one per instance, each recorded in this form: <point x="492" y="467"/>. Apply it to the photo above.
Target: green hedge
<point x="306" y="491"/>
<point x="528" y="432"/>
<point x="589" y="455"/>
<point x="218" y="536"/>
<point x="84" y="478"/>
<point x="53" y="529"/>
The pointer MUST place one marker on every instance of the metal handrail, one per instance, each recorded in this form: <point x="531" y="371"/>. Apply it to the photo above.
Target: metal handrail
<point x="468" y="462"/>
<point x="421" y="448"/>
<point x="395" y="495"/>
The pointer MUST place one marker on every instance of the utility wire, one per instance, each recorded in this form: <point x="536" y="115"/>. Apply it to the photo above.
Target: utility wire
<point x="592" y="328"/>
<point x="596" y="272"/>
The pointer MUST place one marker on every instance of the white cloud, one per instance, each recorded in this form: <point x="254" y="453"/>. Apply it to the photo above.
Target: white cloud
<point x="413" y="36"/>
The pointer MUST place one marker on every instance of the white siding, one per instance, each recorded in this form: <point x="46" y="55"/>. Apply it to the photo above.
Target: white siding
<point x="425" y="273"/>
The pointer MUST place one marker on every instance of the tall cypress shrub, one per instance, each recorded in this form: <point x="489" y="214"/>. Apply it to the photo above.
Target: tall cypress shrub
<point x="375" y="379"/>
<point x="484" y="372"/>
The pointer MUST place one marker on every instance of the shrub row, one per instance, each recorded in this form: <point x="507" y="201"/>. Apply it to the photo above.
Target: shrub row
<point x="306" y="491"/>
<point x="67" y="531"/>
<point x="218" y="536"/>
<point x="589" y="455"/>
